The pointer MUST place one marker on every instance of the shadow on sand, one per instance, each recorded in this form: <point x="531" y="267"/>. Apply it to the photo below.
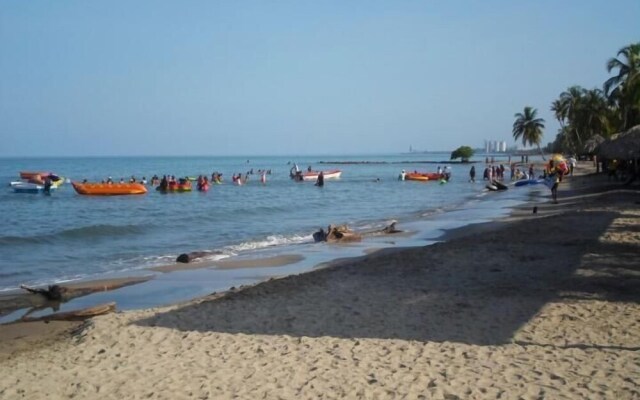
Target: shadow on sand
<point x="479" y="289"/>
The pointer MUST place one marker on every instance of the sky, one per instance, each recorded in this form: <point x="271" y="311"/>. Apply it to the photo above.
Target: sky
<point x="104" y="78"/>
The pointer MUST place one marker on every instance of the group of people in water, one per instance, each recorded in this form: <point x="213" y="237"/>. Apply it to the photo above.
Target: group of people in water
<point x="202" y="181"/>
<point x="492" y="172"/>
<point x="240" y="180"/>
<point x="133" y="179"/>
<point x="496" y="173"/>
<point x="553" y="172"/>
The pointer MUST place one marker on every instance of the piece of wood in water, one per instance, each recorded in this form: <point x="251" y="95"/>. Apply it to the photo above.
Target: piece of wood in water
<point x="75" y="315"/>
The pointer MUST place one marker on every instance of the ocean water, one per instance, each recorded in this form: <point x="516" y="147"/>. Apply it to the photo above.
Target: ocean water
<point x="66" y="236"/>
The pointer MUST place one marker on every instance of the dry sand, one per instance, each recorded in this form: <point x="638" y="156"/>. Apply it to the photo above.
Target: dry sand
<point x="540" y="306"/>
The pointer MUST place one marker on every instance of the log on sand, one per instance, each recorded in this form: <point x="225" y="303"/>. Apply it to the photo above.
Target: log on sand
<point x="52" y="296"/>
<point x="76" y="315"/>
<point x="342" y="233"/>
<point x="66" y="293"/>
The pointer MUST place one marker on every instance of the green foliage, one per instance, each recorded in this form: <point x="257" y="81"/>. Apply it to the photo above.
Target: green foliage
<point x="584" y="113"/>
<point x="464" y="152"/>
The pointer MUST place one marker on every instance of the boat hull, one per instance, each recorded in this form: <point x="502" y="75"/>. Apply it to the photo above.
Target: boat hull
<point x="313" y="175"/>
<point x="33" y="188"/>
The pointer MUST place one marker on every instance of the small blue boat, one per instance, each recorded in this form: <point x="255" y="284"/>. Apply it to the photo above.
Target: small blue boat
<point x="524" y="182"/>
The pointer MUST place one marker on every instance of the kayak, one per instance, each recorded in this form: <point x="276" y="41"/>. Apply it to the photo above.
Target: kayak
<point x="108" y="189"/>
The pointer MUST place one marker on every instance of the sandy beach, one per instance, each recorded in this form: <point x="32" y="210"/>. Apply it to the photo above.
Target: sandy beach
<point x="543" y="305"/>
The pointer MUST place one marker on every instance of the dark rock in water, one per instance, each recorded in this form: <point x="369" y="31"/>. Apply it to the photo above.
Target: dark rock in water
<point x="320" y="236"/>
<point x="188" y="257"/>
<point x="183" y="258"/>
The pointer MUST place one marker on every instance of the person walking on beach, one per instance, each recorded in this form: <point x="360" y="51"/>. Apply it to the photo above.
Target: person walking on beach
<point x="554" y="174"/>
<point x="472" y="174"/>
<point x="572" y="164"/>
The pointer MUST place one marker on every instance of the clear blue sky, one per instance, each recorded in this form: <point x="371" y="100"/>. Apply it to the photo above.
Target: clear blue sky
<point x="291" y="77"/>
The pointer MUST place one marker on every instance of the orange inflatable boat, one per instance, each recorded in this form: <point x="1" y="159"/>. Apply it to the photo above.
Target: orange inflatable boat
<point x="422" y="176"/>
<point x="109" y="189"/>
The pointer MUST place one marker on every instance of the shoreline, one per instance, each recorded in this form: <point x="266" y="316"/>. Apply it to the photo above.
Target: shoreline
<point x="254" y="264"/>
<point x="540" y="305"/>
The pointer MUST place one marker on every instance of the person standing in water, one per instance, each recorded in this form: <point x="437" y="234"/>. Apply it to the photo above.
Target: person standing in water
<point x="472" y="174"/>
<point x="47" y="184"/>
<point x="320" y="181"/>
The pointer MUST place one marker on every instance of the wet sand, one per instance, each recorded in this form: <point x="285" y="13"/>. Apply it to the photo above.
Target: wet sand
<point x="235" y="263"/>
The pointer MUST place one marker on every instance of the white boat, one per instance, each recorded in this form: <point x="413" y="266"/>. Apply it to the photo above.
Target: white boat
<point x="313" y="175"/>
<point x="26" y="187"/>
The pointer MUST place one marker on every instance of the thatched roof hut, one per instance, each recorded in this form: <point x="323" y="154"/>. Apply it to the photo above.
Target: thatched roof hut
<point x="623" y="146"/>
<point x="592" y="144"/>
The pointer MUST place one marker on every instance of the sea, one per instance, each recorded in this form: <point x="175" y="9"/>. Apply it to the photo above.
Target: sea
<point x="67" y="237"/>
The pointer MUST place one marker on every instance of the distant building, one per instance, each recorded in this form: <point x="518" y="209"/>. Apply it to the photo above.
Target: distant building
<point x="495" y="146"/>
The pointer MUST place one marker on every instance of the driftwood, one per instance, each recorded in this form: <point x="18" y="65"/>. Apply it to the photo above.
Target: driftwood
<point x="66" y="293"/>
<point x="52" y="296"/>
<point x="342" y="233"/>
<point x="53" y="292"/>
<point x="76" y="315"/>
<point x="337" y="234"/>
<point x="391" y="228"/>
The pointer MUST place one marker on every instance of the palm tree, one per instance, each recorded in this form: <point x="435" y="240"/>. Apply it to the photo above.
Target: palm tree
<point x="594" y="114"/>
<point x="559" y="108"/>
<point x="623" y="89"/>
<point x="582" y="113"/>
<point x="529" y="128"/>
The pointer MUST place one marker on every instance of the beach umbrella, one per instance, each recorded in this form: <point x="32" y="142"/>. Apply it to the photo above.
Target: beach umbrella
<point x="560" y="163"/>
<point x="625" y="145"/>
<point x="592" y="144"/>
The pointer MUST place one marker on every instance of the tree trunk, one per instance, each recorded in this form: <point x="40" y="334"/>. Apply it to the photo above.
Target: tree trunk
<point x="541" y="153"/>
